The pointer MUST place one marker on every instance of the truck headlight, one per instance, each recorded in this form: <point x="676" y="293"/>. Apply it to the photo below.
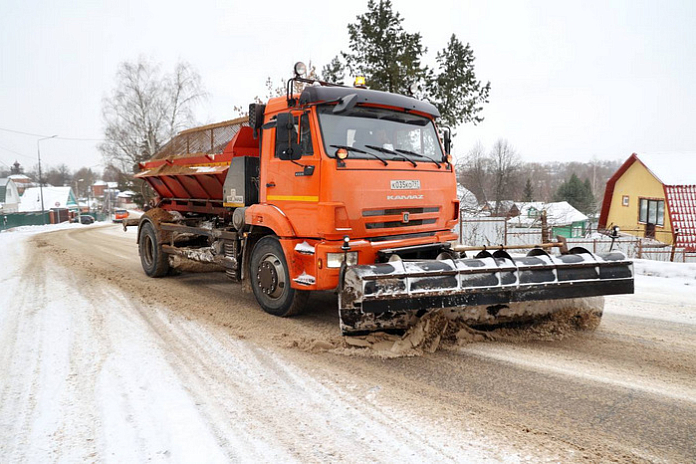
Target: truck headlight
<point x="335" y="259"/>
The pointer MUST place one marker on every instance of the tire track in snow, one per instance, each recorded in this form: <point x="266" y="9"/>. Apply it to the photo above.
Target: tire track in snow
<point x="260" y="406"/>
<point x="261" y="391"/>
<point x="38" y="373"/>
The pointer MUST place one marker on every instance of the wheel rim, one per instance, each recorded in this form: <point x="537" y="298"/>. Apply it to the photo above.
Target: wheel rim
<point x="270" y="276"/>
<point x="148" y="250"/>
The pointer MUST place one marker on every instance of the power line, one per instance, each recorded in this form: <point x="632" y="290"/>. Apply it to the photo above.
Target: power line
<point x="78" y="139"/>
<point x="20" y="132"/>
<point x="16" y="152"/>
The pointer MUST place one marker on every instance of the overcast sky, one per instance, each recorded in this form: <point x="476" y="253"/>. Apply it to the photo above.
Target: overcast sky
<point x="570" y="80"/>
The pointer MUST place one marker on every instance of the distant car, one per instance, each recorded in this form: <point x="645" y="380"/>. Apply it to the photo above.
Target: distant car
<point x="119" y="215"/>
<point x="83" y="219"/>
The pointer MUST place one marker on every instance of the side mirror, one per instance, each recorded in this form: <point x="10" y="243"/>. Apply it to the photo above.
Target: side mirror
<point x="287" y="147"/>
<point x="284" y="127"/>
<point x="447" y="139"/>
<point x="346" y="103"/>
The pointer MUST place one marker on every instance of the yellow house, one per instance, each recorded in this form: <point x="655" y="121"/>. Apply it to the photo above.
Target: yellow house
<point x="654" y="196"/>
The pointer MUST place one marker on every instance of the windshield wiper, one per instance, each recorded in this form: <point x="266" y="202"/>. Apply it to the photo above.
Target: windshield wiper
<point x="358" y="150"/>
<point x="391" y="152"/>
<point x="413" y="153"/>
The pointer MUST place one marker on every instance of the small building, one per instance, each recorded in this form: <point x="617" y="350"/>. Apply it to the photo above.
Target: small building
<point x="53" y="198"/>
<point x="506" y="208"/>
<point x="654" y="196"/>
<point x="125" y="200"/>
<point x="561" y="217"/>
<point x="9" y="196"/>
<point x="22" y="182"/>
<point x="98" y="188"/>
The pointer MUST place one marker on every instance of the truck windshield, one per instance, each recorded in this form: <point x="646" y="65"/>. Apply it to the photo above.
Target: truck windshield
<point x="390" y="135"/>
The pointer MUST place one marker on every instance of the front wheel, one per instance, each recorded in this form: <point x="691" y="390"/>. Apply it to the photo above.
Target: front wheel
<point x="155" y="262"/>
<point x="270" y="280"/>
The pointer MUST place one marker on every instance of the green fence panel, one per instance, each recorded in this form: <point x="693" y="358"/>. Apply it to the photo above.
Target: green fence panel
<point x="8" y="221"/>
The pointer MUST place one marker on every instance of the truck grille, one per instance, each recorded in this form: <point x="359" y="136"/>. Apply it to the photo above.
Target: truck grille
<point x="386" y="225"/>
<point x="399" y="211"/>
<point x="401" y="217"/>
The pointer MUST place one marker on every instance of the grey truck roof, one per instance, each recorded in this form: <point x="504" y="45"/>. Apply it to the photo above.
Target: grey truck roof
<point x="315" y="94"/>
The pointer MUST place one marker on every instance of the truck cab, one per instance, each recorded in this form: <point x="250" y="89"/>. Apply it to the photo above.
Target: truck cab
<point x="348" y="173"/>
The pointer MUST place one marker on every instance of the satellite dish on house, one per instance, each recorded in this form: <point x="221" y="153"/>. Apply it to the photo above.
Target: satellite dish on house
<point x="57" y="204"/>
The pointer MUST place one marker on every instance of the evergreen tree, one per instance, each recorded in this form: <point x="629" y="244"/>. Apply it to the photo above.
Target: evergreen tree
<point x="333" y="72"/>
<point x="577" y="193"/>
<point x="390" y="59"/>
<point x="455" y="90"/>
<point x="383" y="52"/>
<point x="528" y="192"/>
<point x="589" y="197"/>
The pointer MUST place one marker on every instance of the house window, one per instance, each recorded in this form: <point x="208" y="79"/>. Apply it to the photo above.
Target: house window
<point x="652" y="212"/>
<point x="624" y="200"/>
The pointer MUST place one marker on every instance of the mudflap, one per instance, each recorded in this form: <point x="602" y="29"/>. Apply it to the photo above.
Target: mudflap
<point x="489" y="289"/>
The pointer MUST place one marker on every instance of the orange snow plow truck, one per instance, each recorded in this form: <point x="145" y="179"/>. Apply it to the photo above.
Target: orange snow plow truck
<point x="351" y="190"/>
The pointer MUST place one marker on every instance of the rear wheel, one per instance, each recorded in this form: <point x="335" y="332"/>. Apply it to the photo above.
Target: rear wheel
<point x="154" y="261"/>
<point x="270" y="280"/>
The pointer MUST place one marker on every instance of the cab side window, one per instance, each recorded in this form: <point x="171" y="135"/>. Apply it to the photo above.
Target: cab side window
<point x="305" y="136"/>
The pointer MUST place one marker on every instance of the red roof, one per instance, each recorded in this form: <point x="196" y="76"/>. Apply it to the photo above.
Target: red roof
<point x="681" y="201"/>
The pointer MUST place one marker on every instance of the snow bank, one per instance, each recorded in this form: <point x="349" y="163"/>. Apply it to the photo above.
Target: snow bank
<point x="32" y="230"/>
<point x="685" y="271"/>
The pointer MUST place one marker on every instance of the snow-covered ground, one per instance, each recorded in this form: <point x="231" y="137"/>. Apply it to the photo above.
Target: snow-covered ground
<point x="87" y="373"/>
<point x="668" y="292"/>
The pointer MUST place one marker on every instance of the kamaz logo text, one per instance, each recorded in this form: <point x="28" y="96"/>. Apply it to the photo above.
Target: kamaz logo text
<point x="404" y="197"/>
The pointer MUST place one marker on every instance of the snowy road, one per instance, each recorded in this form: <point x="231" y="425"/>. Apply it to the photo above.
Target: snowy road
<point x="100" y="363"/>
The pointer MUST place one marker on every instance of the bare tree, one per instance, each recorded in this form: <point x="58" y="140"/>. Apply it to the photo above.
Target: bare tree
<point x="83" y="179"/>
<point x="474" y="172"/>
<point x="276" y="89"/>
<point x="111" y="174"/>
<point x="146" y="109"/>
<point x="58" y="176"/>
<point x="505" y="163"/>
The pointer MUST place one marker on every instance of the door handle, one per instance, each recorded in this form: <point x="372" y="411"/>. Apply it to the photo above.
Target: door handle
<point x="270" y="184"/>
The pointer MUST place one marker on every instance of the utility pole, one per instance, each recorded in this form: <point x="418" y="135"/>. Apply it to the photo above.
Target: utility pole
<point x="38" y="151"/>
<point x="77" y="200"/>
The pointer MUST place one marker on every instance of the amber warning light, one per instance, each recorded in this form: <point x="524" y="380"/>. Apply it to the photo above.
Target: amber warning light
<point x="360" y="82"/>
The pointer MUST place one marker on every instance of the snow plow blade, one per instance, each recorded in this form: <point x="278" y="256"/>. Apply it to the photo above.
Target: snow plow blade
<point x="488" y="289"/>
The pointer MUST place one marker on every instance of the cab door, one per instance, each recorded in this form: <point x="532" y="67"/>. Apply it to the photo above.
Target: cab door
<point x="293" y="186"/>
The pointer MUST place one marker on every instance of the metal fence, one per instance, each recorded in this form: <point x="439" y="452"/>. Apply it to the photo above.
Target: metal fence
<point x="206" y="139"/>
<point x="492" y="231"/>
<point x="8" y="221"/>
<point x="524" y="236"/>
<point x="489" y="231"/>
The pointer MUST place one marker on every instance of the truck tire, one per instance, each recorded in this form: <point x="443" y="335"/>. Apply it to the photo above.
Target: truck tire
<point x="155" y="262"/>
<point x="270" y="280"/>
